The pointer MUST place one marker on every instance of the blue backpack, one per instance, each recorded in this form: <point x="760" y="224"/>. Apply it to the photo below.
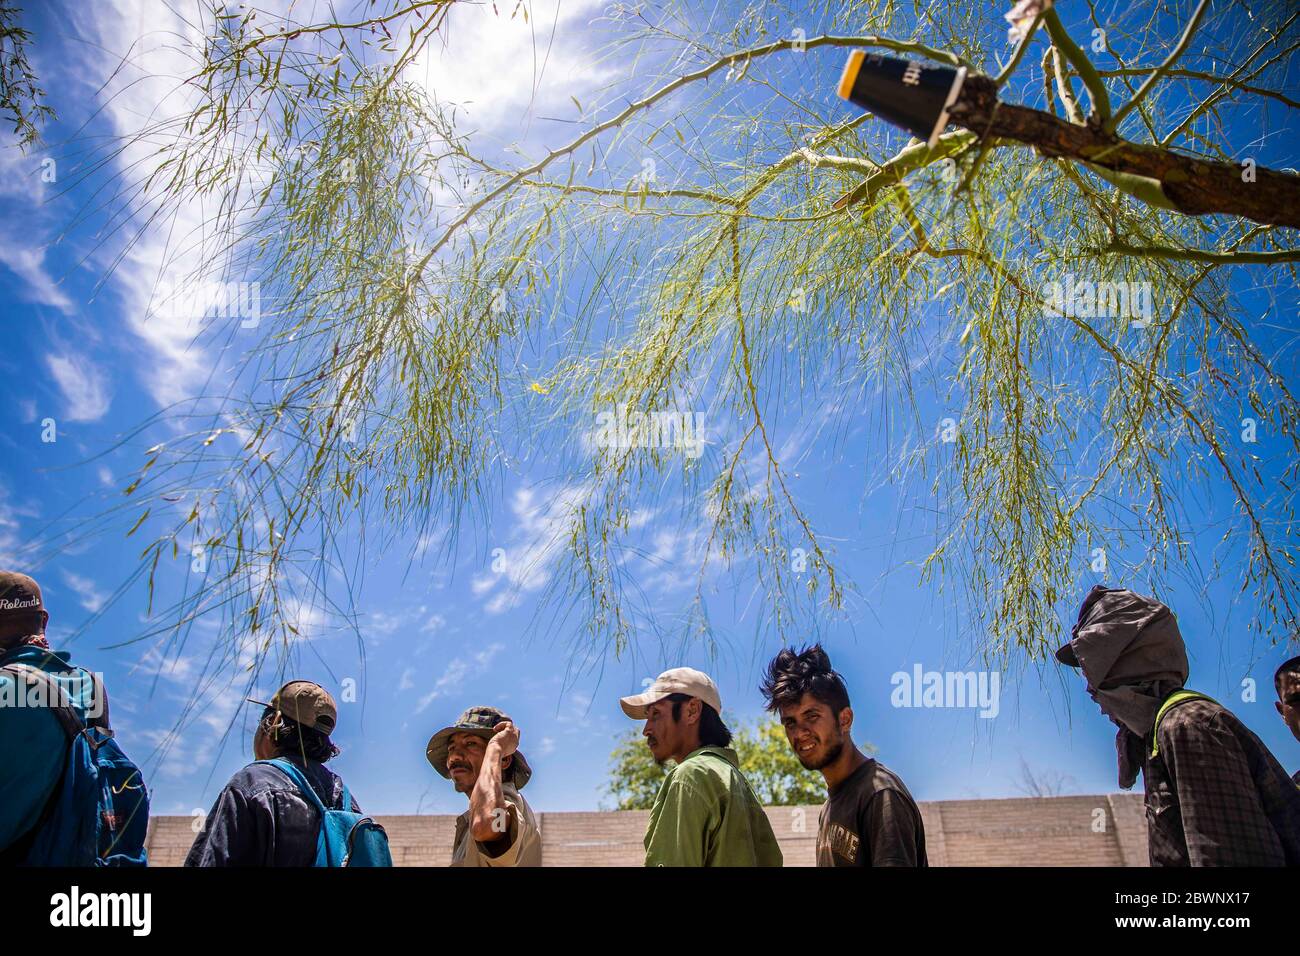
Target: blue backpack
<point x="99" y="812"/>
<point x="346" y="838"/>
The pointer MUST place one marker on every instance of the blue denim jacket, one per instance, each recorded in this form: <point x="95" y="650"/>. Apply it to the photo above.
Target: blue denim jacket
<point x="261" y="818"/>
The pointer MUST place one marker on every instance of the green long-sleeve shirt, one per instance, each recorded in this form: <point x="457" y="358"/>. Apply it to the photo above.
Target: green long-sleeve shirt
<point x="706" y="815"/>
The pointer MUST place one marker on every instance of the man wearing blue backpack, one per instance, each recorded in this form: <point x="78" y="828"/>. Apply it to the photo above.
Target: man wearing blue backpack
<point x="286" y="808"/>
<point x="69" y="796"/>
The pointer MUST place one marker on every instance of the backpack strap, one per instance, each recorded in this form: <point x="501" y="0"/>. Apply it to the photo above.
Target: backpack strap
<point x="99" y="695"/>
<point x="1173" y="700"/>
<point x="59" y="704"/>
<point x="70" y="720"/>
<point x="300" y="781"/>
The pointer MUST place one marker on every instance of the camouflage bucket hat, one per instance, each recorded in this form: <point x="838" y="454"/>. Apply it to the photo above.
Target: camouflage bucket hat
<point x="479" y="721"/>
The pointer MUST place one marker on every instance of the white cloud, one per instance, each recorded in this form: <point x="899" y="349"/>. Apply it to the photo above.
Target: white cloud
<point x="193" y="748"/>
<point x="457" y="672"/>
<point x="501" y="68"/>
<point x="672" y="562"/>
<point x="84" y="387"/>
<point x="306" y="619"/>
<point x="147" y="51"/>
<point x="25" y="258"/>
<point x="88" y="593"/>
<point x="22" y="235"/>
<point x="11" y="539"/>
<point x="427" y="540"/>
<point x="383" y="623"/>
<point x="21" y="173"/>
<point x="179" y="671"/>
<point x="214" y="703"/>
<point x="541" y="529"/>
<point x="577" y="705"/>
<point x="575" y="720"/>
<point x="376" y="625"/>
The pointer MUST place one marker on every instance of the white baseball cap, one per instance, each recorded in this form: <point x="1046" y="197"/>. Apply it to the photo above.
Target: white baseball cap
<point x="679" y="680"/>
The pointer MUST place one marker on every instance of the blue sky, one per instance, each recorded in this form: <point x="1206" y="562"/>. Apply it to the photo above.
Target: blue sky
<point x="444" y="631"/>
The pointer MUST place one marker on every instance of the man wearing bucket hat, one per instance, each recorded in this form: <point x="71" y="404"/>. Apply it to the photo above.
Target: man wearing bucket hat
<point x="705" y="814"/>
<point x="262" y="817"/>
<point x="1215" y="795"/>
<point x="480" y="755"/>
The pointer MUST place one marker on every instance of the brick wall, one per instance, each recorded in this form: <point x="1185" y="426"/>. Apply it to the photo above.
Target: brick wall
<point x="1106" y="830"/>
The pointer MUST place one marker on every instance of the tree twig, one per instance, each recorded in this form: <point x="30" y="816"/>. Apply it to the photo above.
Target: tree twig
<point x="1179" y="48"/>
<point x="1079" y="60"/>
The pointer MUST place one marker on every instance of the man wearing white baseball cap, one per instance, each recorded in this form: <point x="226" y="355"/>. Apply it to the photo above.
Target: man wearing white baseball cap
<point x="705" y="813"/>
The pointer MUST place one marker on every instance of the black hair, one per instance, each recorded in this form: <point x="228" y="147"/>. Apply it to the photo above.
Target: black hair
<point x="791" y="674"/>
<point x="291" y="738"/>
<point x="1288" y="667"/>
<point x="713" y="732"/>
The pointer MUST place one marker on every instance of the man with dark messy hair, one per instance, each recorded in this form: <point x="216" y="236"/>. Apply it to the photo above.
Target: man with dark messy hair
<point x="869" y="818"/>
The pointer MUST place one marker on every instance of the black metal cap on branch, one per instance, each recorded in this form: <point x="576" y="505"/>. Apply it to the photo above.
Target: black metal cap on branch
<point x="913" y="94"/>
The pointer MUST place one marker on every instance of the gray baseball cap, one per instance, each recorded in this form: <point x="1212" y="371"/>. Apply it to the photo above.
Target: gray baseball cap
<point x="679" y="680"/>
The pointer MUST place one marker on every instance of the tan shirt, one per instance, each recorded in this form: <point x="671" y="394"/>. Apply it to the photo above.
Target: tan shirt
<point x="525" y="837"/>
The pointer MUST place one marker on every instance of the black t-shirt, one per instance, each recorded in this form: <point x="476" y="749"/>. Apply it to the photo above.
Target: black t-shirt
<point x="871" y="820"/>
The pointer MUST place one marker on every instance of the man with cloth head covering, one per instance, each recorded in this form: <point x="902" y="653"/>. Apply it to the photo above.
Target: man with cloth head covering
<point x="1215" y="795"/>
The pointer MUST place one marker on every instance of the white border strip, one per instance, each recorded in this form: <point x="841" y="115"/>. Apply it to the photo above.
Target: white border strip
<point x="958" y="81"/>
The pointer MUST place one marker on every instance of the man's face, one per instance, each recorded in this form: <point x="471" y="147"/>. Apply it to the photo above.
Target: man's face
<point x="14" y="628"/>
<point x="263" y="746"/>
<point x="1102" y="706"/>
<point x="1096" y="699"/>
<point x="262" y="749"/>
<point x="464" y="758"/>
<point x="666" y="736"/>
<point x="1288" y="703"/>
<point x="816" y="735"/>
